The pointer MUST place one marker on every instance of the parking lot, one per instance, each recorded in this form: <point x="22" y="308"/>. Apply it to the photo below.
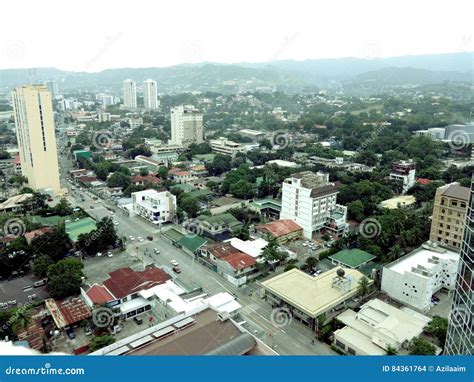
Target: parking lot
<point x="17" y="290"/>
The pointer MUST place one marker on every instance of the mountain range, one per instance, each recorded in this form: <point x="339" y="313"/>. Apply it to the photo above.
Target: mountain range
<point x="287" y="75"/>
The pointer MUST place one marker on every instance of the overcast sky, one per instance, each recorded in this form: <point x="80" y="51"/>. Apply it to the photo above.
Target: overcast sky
<point x="93" y="35"/>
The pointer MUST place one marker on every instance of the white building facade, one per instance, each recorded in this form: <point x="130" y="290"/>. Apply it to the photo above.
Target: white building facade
<point x="157" y="207"/>
<point x="150" y="94"/>
<point x="308" y="199"/>
<point x="129" y="93"/>
<point x="404" y="172"/>
<point x="186" y="125"/>
<point x="415" y="278"/>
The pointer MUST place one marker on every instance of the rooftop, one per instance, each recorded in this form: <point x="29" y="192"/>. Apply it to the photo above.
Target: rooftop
<point x="280" y="228"/>
<point x="312" y="295"/>
<point x="454" y="190"/>
<point x="352" y="258"/>
<point x="398" y="201"/>
<point x="67" y="312"/>
<point x="76" y="228"/>
<point x="239" y="260"/>
<point x="99" y="295"/>
<point x="14" y="201"/>
<point x="425" y="257"/>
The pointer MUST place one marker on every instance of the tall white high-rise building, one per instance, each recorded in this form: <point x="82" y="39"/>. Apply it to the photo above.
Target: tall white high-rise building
<point x="150" y="94"/>
<point x="129" y="90"/>
<point x="34" y="120"/>
<point x="52" y="86"/>
<point x="186" y="125"/>
<point x="308" y="199"/>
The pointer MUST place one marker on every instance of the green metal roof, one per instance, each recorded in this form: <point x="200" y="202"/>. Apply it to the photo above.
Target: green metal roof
<point x="352" y="258"/>
<point x="173" y="234"/>
<point x="267" y="203"/>
<point x="225" y="218"/>
<point x="192" y="242"/>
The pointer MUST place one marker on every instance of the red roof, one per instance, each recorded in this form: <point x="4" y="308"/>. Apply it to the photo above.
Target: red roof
<point x="240" y="260"/>
<point x="87" y="179"/>
<point x="181" y="173"/>
<point x="423" y="181"/>
<point x="99" y="295"/>
<point x="29" y="236"/>
<point x="174" y="170"/>
<point x="17" y="160"/>
<point x="126" y="281"/>
<point x="279" y="228"/>
<point x="146" y="179"/>
<point x="69" y="311"/>
<point x="221" y="250"/>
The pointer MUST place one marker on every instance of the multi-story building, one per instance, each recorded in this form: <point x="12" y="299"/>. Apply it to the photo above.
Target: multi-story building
<point x="226" y="146"/>
<point x="460" y="337"/>
<point x="34" y="120"/>
<point x="449" y="214"/>
<point x="404" y="172"/>
<point x="157" y="207"/>
<point x="150" y="94"/>
<point x="186" y="125"/>
<point x="104" y="117"/>
<point x="308" y="199"/>
<point x="414" y="279"/>
<point x="129" y="90"/>
<point x="52" y="86"/>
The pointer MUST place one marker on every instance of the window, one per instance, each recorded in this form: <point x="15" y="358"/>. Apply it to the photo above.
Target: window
<point x="351" y="351"/>
<point x="341" y="344"/>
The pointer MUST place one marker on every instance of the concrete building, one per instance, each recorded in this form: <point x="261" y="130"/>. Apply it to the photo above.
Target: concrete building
<point x="129" y="94"/>
<point x="253" y="134"/>
<point x="52" y="86"/>
<point x="404" y="172"/>
<point x="283" y="230"/>
<point x="34" y="121"/>
<point x="308" y="199"/>
<point x="218" y="227"/>
<point x="226" y="146"/>
<point x="157" y="207"/>
<point x="460" y="337"/>
<point x="104" y="117"/>
<point x="308" y="297"/>
<point x="186" y="125"/>
<point x="435" y="133"/>
<point x="376" y="327"/>
<point x="150" y="94"/>
<point x="415" y="278"/>
<point x="449" y="214"/>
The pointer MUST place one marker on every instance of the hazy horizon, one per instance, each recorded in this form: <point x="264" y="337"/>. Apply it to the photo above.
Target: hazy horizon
<point x="98" y="35"/>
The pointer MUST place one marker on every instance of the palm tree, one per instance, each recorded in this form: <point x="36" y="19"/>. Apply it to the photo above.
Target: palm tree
<point x="391" y="350"/>
<point x="363" y="286"/>
<point x="21" y="319"/>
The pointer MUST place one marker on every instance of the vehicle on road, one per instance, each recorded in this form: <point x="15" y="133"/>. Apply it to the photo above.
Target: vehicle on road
<point x="157" y="251"/>
<point x="99" y="254"/>
<point x="110" y="254"/>
<point x="139" y="238"/>
<point x="116" y="222"/>
<point x="91" y="207"/>
<point x="131" y="238"/>
<point x="174" y="262"/>
<point x="176" y="270"/>
<point x="150" y="238"/>
<point x="138" y="320"/>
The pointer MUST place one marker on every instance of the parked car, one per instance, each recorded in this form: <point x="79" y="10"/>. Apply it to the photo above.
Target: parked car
<point x="150" y="238"/>
<point x="157" y="251"/>
<point x="131" y="238"/>
<point x="138" y="320"/>
<point x="99" y="254"/>
<point x="116" y="222"/>
<point x="174" y="262"/>
<point x="110" y="254"/>
<point x="176" y="270"/>
<point x="139" y="238"/>
<point x="88" y="331"/>
<point x="70" y="333"/>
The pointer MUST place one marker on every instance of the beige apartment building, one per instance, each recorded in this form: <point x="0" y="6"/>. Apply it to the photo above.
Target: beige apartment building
<point x="449" y="214"/>
<point x="186" y="125"/>
<point x="34" y="120"/>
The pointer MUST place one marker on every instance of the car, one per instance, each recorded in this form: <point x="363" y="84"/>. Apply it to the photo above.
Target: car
<point x="87" y="331"/>
<point x="99" y="254"/>
<point x="139" y="238"/>
<point x="110" y="254"/>
<point x="96" y="202"/>
<point x="91" y="207"/>
<point x="70" y="333"/>
<point x="111" y="212"/>
<point x="117" y="328"/>
<point x="305" y="244"/>
<point x="150" y="238"/>
<point x="138" y="320"/>
<point x="176" y="270"/>
<point x="131" y="238"/>
<point x="116" y="222"/>
<point x="157" y="251"/>
<point x="174" y="262"/>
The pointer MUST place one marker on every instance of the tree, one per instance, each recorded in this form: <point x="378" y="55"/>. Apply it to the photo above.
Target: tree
<point x="242" y="189"/>
<point x="99" y="342"/>
<point x="189" y="205"/>
<point x="21" y="318"/>
<point x="420" y="346"/>
<point x="391" y="350"/>
<point x="311" y="262"/>
<point x="118" y="179"/>
<point x="65" y="277"/>
<point x="438" y="327"/>
<point x="272" y="252"/>
<point x="162" y="172"/>
<point x="220" y="164"/>
<point x="144" y="172"/>
<point x="55" y="243"/>
<point x="40" y="266"/>
<point x="363" y="286"/>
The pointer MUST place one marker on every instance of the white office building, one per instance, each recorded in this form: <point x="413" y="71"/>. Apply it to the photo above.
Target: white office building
<point x="415" y="278"/>
<point x="157" y="207"/>
<point x="150" y="94"/>
<point x="129" y="92"/>
<point x="308" y="199"/>
<point x="377" y="327"/>
<point x="226" y="146"/>
<point x="405" y="173"/>
<point x="186" y="125"/>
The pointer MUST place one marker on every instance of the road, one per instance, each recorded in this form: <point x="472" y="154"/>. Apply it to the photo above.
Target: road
<point x="293" y="338"/>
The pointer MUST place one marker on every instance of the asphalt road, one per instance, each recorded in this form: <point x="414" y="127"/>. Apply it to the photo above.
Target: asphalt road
<point x="289" y="338"/>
